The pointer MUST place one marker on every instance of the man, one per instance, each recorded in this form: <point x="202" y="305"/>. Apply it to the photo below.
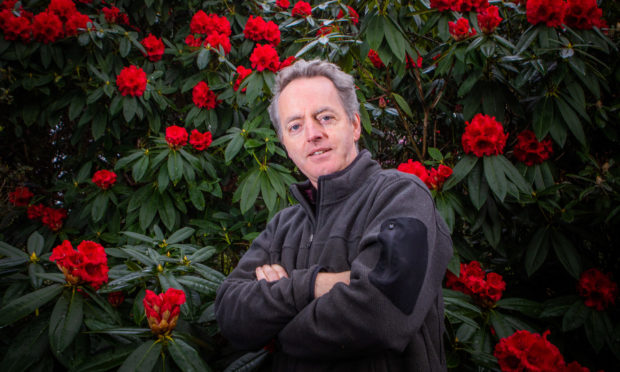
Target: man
<point x="350" y="278"/>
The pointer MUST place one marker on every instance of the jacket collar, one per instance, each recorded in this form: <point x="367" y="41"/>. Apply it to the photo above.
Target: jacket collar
<point x="339" y="185"/>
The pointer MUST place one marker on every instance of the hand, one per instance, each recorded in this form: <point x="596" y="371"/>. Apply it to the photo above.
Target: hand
<point x="270" y="273"/>
<point x="325" y="282"/>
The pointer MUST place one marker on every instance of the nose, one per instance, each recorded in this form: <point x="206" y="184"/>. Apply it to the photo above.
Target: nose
<point x="314" y="131"/>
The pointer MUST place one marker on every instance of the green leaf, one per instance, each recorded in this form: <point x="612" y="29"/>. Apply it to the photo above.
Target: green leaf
<point x="477" y="188"/>
<point x="140" y="237"/>
<point x="203" y="254"/>
<point x="543" y="118"/>
<point x="104" y="361"/>
<point x="167" y="211"/>
<point x="402" y="103"/>
<point x="7" y="263"/>
<point x="130" y="106"/>
<point x="203" y="58"/>
<point x="10" y="251"/>
<point x="139" y="256"/>
<point x="375" y="32"/>
<point x="139" y="168"/>
<point x="124" y="47"/>
<point x="100" y="121"/>
<point x="395" y="39"/>
<point x="567" y="254"/>
<point x="175" y="166"/>
<point x="180" y="235"/>
<point x="522" y="305"/>
<point x="233" y="147"/>
<point x="502" y="328"/>
<point x="198" y="284"/>
<point x="494" y="173"/>
<point x="268" y="193"/>
<point x="571" y="119"/>
<point x="537" y="251"/>
<point x="598" y="328"/>
<point x="100" y="206"/>
<point x="196" y="197"/>
<point x="460" y="171"/>
<point x="575" y="316"/>
<point x="26" y="304"/>
<point x="250" y="190"/>
<point x="514" y="175"/>
<point x="148" y="210"/>
<point x="66" y="320"/>
<point x="185" y="356"/>
<point x="27" y="347"/>
<point x="143" y="359"/>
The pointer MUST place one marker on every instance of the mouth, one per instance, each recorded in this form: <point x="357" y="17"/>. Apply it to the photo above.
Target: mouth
<point x="319" y="152"/>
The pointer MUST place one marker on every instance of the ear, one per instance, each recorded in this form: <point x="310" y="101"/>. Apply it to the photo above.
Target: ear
<point x="357" y="127"/>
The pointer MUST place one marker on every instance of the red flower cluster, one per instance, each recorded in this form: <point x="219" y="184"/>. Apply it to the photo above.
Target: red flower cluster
<point x="46" y="27"/>
<point x="243" y="73"/>
<point x="162" y="311"/>
<point x="549" y="12"/>
<point x="131" y="81"/>
<point x="113" y="15"/>
<point x="154" y="47"/>
<point x="116" y="298"/>
<point x="301" y="9"/>
<point x="486" y="288"/>
<point x="434" y="178"/>
<point x="200" y="141"/>
<point x="375" y="59"/>
<point x="16" y="27"/>
<point x="597" y="288"/>
<point x="525" y="351"/>
<point x="284" y="4"/>
<point x="484" y="136"/>
<point x="62" y="8"/>
<point x="411" y="63"/>
<point x="20" y="197"/>
<point x="204" y="97"/>
<point x="583" y="14"/>
<point x="176" y="136"/>
<point x="489" y="19"/>
<point x="104" y="178"/>
<point x="461" y="30"/>
<point x="459" y="5"/>
<point x="529" y="151"/>
<point x="325" y="30"/>
<point x="212" y="30"/>
<point x="257" y="29"/>
<point x="87" y="265"/>
<point x="353" y="16"/>
<point x="51" y="217"/>
<point x="265" y="57"/>
<point x="287" y="62"/>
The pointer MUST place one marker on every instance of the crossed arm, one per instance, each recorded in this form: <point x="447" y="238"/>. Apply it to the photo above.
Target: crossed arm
<point x="323" y="283"/>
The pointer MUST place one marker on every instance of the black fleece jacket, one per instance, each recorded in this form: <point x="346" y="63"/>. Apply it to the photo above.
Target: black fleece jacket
<point x="384" y="227"/>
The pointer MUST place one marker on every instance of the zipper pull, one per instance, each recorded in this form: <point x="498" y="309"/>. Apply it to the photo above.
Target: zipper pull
<point x="310" y="241"/>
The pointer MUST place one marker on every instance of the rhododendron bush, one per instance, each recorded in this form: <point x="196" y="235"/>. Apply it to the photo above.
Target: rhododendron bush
<point x="138" y="163"/>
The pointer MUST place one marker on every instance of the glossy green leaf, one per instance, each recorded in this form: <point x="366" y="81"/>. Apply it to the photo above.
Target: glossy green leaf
<point x="66" y="320"/>
<point x="186" y="357"/>
<point x="460" y="171"/>
<point x="180" y="235"/>
<point x="494" y="174"/>
<point x="26" y="304"/>
<point x="143" y="359"/>
<point x="402" y="103"/>
<point x="537" y="251"/>
<point x="575" y="316"/>
<point x="566" y="253"/>
<point x="27" y="347"/>
<point x="233" y="147"/>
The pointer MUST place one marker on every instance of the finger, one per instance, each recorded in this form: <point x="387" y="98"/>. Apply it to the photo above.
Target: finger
<point x="270" y="273"/>
<point x="280" y="271"/>
<point x="260" y="274"/>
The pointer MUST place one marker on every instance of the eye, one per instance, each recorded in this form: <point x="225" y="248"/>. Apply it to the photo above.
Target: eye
<point x="294" y="127"/>
<point x="326" y="119"/>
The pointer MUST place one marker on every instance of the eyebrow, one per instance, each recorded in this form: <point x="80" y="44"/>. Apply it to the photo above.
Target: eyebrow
<point x="314" y="114"/>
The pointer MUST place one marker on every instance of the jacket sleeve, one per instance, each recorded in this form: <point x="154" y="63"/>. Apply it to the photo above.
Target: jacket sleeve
<point x="395" y="280"/>
<point x="250" y="313"/>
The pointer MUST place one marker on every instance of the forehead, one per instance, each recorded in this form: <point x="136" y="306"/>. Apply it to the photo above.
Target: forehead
<point x="304" y="93"/>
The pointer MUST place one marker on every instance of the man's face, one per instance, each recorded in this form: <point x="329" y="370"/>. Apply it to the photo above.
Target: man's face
<point x="316" y="131"/>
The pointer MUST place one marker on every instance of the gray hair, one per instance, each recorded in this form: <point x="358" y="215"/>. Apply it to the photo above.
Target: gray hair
<point x="344" y="83"/>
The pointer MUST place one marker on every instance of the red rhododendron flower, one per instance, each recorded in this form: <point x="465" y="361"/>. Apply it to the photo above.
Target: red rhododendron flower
<point x="76" y="23"/>
<point x="325" y="30"/>
<point x="116" y="298"/>
<point x="301" y="9"/>
<point x="415" y="168"/>
<point x="204" y="97"/>
<point x="445" y="5"/>
<point x="469" y="5"/>
<point x="272" y="33"/>
<point x="206" y="24"/>
<point x="284" y="4"/>
<point x="193" y="41"/>
<point x="411" y="63"/>
<point x="353" y="16"/>
<point x="549" y="12"/>
<point x="46" y="27"/>
<point x="529" y="151"/>
<point x="113" y="15"/>
<point x="287" y="62"/>
<point x="20" y="197"/>
<point x="104" y="178"/>
<point x="154" y="47"/>
<point x="484" y="136"/>
<point x="265" y="57"/>
<point x="582" y="14"/>
<point x="525" y="351"/>
<point x="437" y="176"/>
<point x="53" y="218"/>
<point x="200" y="141"/>
<point x="215" y="40"/>
<point x="35" y="211"/>
<point x="131" y="81"/>
<point x="176" y="136"/>
<point x="485" y="288"/>
<point x="489" y="19"/>
<point x="14" y="27"/>
<point x="62" y="8"/>
<point x="575" y="367"/>
<point x="597" y="288"/>
<point x="375" y="59"/>
<point x="162" y="311"/>
<point x="254" y="28"/>
<point x="87" y="265"/>
<point x="460" y="30"/>
<point x="243" y="73"/>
